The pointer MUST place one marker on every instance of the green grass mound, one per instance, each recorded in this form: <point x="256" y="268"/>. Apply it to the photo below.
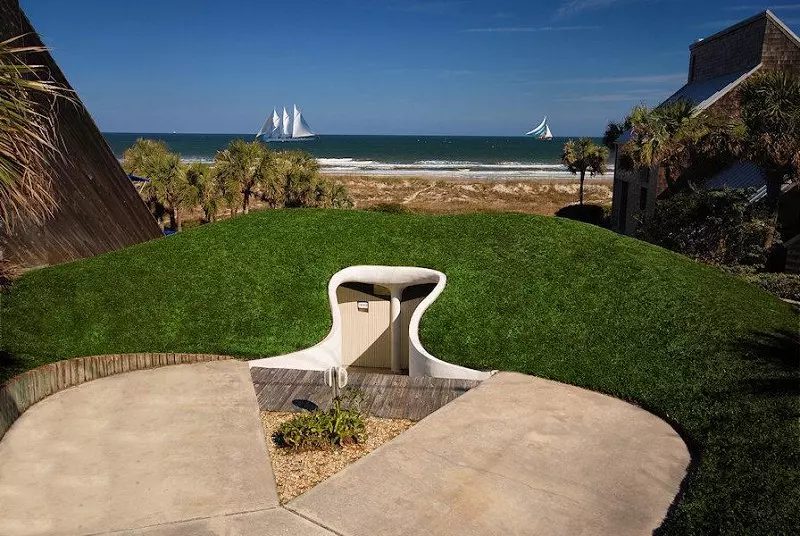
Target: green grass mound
<point x="543" y="296"/>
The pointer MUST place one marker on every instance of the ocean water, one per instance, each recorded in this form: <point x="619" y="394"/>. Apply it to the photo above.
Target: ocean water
<point x="468" y="157"/>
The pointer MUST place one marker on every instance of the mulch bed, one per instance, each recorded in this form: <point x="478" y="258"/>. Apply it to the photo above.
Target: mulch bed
<point x="298" y="471"/>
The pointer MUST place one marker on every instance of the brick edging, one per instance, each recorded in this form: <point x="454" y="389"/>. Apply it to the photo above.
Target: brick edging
<point x="23" y="391"/>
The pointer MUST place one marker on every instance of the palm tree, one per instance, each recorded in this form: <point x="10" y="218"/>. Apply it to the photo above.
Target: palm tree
<point x="168" y="185"/>
<point x="28" y="139"/>
<point x="770" y="113"/>
<point x="302" y="180"/>
<point x="142" y="156"/>
<point x="240" y="165"/>
<point x="665" y="137"/>
<point x="271" y="176"/>
<point x="613" y="132"/>
<point x="205" y="189"/>
<point x="140" y="159"/>
<point x="582" y="156"/>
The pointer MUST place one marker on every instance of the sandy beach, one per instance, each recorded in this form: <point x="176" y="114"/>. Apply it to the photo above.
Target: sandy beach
<point x="426" y="195"/>
<point x="456" y="195"/>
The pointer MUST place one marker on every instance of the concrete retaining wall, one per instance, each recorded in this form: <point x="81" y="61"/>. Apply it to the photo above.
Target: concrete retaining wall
<point x="21" y="392"/>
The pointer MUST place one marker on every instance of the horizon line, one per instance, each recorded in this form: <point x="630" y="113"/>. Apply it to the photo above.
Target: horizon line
<point x="398" y="135"/>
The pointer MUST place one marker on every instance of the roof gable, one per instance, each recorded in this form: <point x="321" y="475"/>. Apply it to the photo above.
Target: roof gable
<point x="769" y="15"/>
<point x="782" y="27"/>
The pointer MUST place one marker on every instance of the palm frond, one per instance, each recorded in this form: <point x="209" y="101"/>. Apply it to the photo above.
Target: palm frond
<point x="29" y="141"/>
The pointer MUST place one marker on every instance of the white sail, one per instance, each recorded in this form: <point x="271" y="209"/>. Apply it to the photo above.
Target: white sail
<point x="275" y="125"/>
<point x="547" y="135"/>
<point x="300" y="128"/>
<point x="538" y="130"/>
<point x="286" y="129"/>
<point x="264" y="128"/>
<point x="271" y="127"/>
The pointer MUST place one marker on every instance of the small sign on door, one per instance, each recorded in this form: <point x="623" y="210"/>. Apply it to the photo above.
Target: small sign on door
<point x="363" y="306"/>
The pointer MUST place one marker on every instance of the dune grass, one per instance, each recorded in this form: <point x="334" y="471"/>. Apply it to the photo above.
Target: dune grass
<point x="543" y="296"/>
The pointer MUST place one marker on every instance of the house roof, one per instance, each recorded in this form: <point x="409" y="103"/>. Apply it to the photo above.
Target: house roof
<point x="707" y="92"/>
<point x="704" y="94"/>
<point x="743" y="174"/>
<point x="739" y="175"/>
<point x="769" y="15"/>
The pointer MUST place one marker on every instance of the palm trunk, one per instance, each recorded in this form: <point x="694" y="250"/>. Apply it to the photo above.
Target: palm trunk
<point x="178" y="223"/>
<point x="246" y="202"/>
<point x="172" y="219"/>
<point x="774" y="182"/>
<point x="667" y="178"/>
<point x="583" y="176"/>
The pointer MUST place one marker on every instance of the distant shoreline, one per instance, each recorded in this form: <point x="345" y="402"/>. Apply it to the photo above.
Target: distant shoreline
<point x="565" y="177"/>
<point x="463" y="174"/>
<point x="500" y="159"/>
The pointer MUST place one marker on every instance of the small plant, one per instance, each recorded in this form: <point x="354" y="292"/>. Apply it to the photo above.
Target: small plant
<point x="340" y="425"/>
<point x="390" y="208"/>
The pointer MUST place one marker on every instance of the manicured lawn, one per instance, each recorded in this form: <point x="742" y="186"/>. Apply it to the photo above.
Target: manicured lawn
<point x="539" y="295"/>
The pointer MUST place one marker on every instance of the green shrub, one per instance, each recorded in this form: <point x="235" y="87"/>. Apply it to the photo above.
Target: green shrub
<point x="298" y="183"/>
<point x="390" y="208"/>
<point x="342" y="424"/>
<point x="713" y="226"/>
<point x="599" y="215"/>
<point x="338" y="196"/>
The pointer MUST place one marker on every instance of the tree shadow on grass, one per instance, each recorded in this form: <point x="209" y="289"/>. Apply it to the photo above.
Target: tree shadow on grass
<point x="758" y="406"/>
<point x="781" y="348"/>
<point x="9" y="365"/>
<point x="780" y="352"/>
<point x="594" y="214"/>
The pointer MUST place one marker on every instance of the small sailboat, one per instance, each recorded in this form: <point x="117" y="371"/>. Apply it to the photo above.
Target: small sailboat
<point x="285" y="128"/>
<point x="542" y="132"/>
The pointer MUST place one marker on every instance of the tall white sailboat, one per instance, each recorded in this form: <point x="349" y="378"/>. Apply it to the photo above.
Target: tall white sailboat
<point x="282" y="127"/>
<point x="542" y="132"/>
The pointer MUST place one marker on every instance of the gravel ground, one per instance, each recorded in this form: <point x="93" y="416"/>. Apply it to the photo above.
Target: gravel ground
<point x="297" y="472"/>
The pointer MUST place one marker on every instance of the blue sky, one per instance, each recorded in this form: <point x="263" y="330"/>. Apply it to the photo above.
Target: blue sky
<point x="378" y="66"/>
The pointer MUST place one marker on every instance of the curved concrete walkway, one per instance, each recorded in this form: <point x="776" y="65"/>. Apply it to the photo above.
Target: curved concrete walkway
<point x="176" y="450"/>
<point x="179" y="451"/>
<point x="515" y="455"/>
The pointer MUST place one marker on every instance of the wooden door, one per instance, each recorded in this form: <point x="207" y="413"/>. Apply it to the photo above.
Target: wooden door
<point x="366" y="325"/>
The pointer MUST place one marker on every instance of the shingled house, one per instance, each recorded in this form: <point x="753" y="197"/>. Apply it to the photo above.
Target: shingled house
<point x="717" y="67"/>
<point x="98" y="209"/>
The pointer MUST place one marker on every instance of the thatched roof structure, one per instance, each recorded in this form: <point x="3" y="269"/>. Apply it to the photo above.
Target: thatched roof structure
<point x="98" y="210"/>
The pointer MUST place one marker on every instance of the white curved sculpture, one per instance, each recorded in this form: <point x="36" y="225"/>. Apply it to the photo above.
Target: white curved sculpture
<point x="328" y="353"/>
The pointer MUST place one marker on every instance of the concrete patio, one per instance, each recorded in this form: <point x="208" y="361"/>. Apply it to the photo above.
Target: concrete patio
<point x="180" y="451"/>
